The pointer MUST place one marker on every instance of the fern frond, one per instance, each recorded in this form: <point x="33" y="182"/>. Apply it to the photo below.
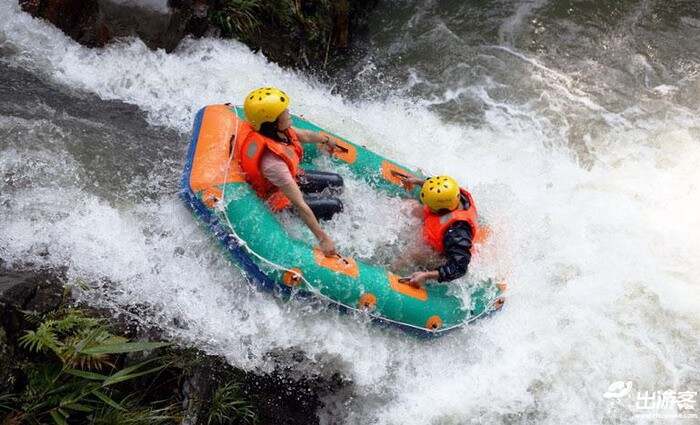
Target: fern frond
<point x="71" y="354"/>
<point x="33" y="317"/>
<point x="44" y="338"/>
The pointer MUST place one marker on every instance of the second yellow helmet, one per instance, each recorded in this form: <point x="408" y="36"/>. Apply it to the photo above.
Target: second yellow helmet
<point x="440" y="192"/>
<point x="264" y="105"/>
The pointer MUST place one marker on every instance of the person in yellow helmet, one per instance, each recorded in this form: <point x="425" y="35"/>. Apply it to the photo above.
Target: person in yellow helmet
<point x="269" y="151"/>
<point x="449" y="227"/>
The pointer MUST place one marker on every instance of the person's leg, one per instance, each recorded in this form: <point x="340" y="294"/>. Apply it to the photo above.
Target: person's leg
<point x="323" y="207"/>
<point x="313" y="181"/>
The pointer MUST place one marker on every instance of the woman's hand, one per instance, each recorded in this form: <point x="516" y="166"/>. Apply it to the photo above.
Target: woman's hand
<point x="294" y="194"/>
<point x="328" y="142"/>
<point x="409" y="182"/>
<point x="417" y="279"/>
<point x="327" y="246"/>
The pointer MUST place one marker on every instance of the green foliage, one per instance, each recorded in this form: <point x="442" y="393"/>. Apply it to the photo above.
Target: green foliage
<point x="79" y="341"/>
<point x="77" y="380"/>
<point x="227" y="406"/>
<point x="133" y="414"/>
<point x="40" y="340"/>
<point x="241" y="18"/>
<point x="67" y="336"/>
<point x="237" y="17"/>
<point x="6" y="402"/>
<point x="70" y="386"/>
<point x="185" y="359"/>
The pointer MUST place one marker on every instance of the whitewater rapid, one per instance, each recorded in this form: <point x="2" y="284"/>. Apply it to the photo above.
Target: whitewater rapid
<point x="602" y="258"/>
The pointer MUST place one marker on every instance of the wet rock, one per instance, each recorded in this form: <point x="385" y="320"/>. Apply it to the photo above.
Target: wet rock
<point x="189" y="17"/>
<point x="79" y="19"/>
<point x="21" y="291"/>
<point x="295" y="391"/>
<point x="7" y="371"/>
<point x="40" y="291"/>
<point x="297" y="386"/>
<point x="308" y="34"/>
<point x="94" y="23"/>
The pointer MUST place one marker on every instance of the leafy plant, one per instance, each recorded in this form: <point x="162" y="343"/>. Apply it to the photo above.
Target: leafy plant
<point x="133" y="413"/>
<point x="237" y="17"/>
<point x="71" y="338"/>
<point x="186" y="360"/>
<point x="78" y="379"/>
<point x="6" y="402"/>
<point x="71" y="386"/>
<point x="228" y="405"/>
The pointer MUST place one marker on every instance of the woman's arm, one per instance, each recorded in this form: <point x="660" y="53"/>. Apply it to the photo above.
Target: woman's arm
<point x="410" y="182"/>
<point x="458" y="243"/>
<point x="292" y="191"/>
<point x="417" y="279"/>
<point x="308" y="136"/>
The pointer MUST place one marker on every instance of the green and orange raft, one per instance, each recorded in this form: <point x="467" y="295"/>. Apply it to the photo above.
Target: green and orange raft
<point x="214" y="187"/>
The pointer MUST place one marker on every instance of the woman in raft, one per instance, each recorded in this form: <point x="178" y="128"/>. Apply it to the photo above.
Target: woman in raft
<point x="269" y="151"/>
<point x="450" y="226"/>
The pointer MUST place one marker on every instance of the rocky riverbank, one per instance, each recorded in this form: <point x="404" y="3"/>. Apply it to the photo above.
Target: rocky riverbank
<point x="306" y="34"/>
<point x="190" y="384"/>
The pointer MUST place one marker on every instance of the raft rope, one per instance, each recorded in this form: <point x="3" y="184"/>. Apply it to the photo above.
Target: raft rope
<point x="220" y="206"/>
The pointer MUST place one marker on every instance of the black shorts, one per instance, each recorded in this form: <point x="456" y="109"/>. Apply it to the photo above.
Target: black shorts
<point x="318" y="187"/>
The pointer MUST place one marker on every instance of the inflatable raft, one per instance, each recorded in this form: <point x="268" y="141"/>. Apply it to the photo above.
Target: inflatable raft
<point x="214" y="187"/>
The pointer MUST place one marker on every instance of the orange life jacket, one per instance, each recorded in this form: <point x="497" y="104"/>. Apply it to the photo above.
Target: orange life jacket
<point x="250" y="147"/>
<point x="435" y="225"/>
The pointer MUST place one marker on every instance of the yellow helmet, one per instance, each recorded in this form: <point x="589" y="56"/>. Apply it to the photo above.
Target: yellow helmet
<point x="264" y="105"/>
<point x="440" y="192"/>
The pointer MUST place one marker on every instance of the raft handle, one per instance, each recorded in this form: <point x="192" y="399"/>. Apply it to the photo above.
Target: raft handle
<point x="343" y="150"/>
<point x="340" y="148"/>
<point x="400" y="174"/>
<point x="292" y="277"/>
<point x="340" y="257"/>
<point x="498" y="303"/>
<point x="231" y="144"/>
<point x="337" y="263"/>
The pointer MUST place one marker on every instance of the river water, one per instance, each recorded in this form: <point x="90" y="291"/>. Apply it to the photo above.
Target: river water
<point x="575" y="124"/>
